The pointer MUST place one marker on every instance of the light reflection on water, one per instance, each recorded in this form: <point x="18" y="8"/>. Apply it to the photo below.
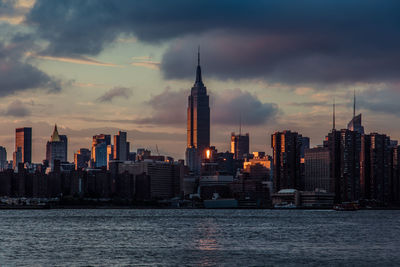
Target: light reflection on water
<point x="198" y="237"/>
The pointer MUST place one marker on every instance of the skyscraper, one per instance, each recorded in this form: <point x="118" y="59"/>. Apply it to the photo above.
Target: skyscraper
<point x="121" y="147"/>
<point x="286" y="148"/>
<point x="99" y="150"/>
<point x="23" y="140"/>
<point x="56" y="148"/>
<point x="198" y="121"/>
<point x="82" y="158"/>
<point x="355" y="123"/>
<point x="240" y="145"/>
<point x="3" y="157"/>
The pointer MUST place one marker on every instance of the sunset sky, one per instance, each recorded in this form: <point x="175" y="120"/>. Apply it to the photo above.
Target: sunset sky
<point x="101" y="66"/>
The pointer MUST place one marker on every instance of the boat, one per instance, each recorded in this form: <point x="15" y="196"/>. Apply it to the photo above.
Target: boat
<point x="347" y="206"/>
<point x="220" y="203"/>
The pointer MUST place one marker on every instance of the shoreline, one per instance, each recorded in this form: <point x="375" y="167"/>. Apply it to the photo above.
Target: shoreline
<point x="117" y="207"/>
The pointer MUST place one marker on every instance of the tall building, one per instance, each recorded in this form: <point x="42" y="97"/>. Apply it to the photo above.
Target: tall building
<point x="82" y="158"/>
<point x="23" y="140"/>
<point x="198" y="122"/>
<point x="99" y="150"/>
<point x="355" y="123"/>
<point x="287" y="171"/>
<point x="376" y="167"/>
<point x="121" y="147"/>
<point x="3" y="158"/>
<point x="57" y="148"/>
<point x="317" y="169"/>
<point x="240" y="145"/>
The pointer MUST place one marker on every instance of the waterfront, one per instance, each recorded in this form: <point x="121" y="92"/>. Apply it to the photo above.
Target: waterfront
<point x="198" y="237"/>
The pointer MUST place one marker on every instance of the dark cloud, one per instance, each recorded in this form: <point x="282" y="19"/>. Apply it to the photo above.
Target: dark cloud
<point x="380" y="98"/>
<point x="231" y="105"/>
<point x="17" y="73"/>
<point x="291" y="42"/>
<point x="227" y="107"/>
<point x="121" y="92"/>
<point x="17" y="109"/>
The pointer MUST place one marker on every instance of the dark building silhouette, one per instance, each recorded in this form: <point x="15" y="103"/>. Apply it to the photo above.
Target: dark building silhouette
<point x="355" y="123"/>
<point x="377" y="168"/>
<point x="287" y="168"/>
<point x="198" y="122"/>
<point x="23" y="142"/>
<point x="240" y="145"/>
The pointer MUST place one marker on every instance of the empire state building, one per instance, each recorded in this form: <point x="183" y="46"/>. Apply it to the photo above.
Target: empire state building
<point x="198" y="121"/>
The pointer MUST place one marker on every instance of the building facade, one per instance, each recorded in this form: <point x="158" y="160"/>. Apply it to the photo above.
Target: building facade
<point x="198" y="122"/>
<point x="240" y="146"/>
<point x="57" y="148"/>
<point x="286" y="147"/>
<point x="23" y="140"/>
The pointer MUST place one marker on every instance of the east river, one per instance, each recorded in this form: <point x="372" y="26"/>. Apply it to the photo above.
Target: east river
<point x="157" y="237"/>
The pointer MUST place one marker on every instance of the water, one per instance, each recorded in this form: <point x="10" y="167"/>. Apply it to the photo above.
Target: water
<point x="198" y="238"/>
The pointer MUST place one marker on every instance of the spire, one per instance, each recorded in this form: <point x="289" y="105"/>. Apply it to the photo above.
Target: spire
<point x="240" y="125"/>
<point x="55" y="137"/>
<point x="333" y="117"/>
<point x="198" y="71"/>
<point x="354" y="104"/>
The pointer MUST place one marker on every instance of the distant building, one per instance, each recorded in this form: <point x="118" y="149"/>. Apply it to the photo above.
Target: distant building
<point x="258" y="168"/>
<point x="286" y="148"/>
<point x="17" y="158"/>
<point x="355" y="123"/>
<point x="345" y="151"/>
<point x="317" y="169"/>
<point x="240" y="146"/>
<point x="23" y="140"/>
<point x="376" y="167"/>
<point x="121" y="147"/>
<point x="3" y="158"/>
<point x="198" y="122"/>
<point x="82" y="158"/>
<point x="154" y="179"/>
<point x="56" y="148"/>
<point x="99" y="150"/>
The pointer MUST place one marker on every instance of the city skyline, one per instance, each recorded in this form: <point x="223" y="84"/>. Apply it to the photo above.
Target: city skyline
<point x="123" y="78"/>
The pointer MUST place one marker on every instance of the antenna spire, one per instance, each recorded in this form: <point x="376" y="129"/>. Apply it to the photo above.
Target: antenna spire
<point x="354" y="104"/>
<point x="333" y="118"/>
<point x="198" y="56"/>
<point x="240" y="124"/>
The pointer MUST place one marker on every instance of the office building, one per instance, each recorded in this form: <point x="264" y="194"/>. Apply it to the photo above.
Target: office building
<point x="317" y="169"/>
<point x="121" y="147"/>
<point x="82" y="158"/>
<point x="240" y="146"/>
<point x="99" y="150"/>
<point x="23" y="140"/>
<point x="286" y="148"/>
<point x="57" y="148"/>
<point x="198" y="122"/>
<point x="3" y="158"/>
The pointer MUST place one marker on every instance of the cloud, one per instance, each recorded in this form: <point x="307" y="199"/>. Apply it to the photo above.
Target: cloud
<point x="17" y="109"/>
<point x="80" y="60"/>
<point x="380" y="98"/>
<point x="16" y="72"/>
<point x="231" y="105"/>
<point x="147" y="64"/>
<point x="121" y="92"/>
<point x="227" y="106"/>
<point x="297" y="43"/>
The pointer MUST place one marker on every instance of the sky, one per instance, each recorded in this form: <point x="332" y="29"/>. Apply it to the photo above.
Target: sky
<point x="102" y="66"/>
